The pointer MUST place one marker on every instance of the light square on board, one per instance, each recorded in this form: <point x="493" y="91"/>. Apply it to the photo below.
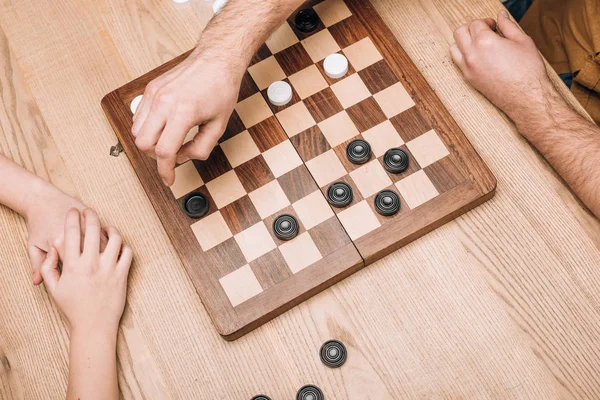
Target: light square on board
<point x="308" y="81"/>
<point x="326" y="168"/>
<point x="417" y="189"/>
<point x="239" y="149"/>
<point x="332" y="11"/>
<point x="282" y="38"/>
<point x="358" y="220"/>
<point x="187" y="179"/>
<point x="313" y="209"/>
<point x="382" y="138"/>
<point x="350" y="90"/>
<point x="255" y="241"/>
<point x="320" y="45"/>
<point x="362" y="54"/>
<point x="266" y="72"/>
<point x="211" y="231"/>
<point x="225" y="189"/>
<point x="300" y="252"/>
<point x="240" y="285"/>
<point x="295" y="119"/>
<point x="282" y="158"/>
<point x="338" y="129"/>
<point x="370" y="178"/>
<point x="269" y="199"/>
<point x="394" y="100"/>
<point x="253" y="110"/>
<point x="427" y="148"/>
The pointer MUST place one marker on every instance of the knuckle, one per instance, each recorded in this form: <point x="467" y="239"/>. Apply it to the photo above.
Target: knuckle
<point x="152" y="88"/>
<point x="143" y="144"/>
<point x="163" y="98"/>
<point x="163" y="151"/>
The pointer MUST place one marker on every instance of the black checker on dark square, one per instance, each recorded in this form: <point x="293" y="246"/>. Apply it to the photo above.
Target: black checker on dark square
<point x="254" y="174"/>
<point x="293" y="59"/>
<point x="366" y="114"/>
<point x="297" y="184"/>
<point x="213" y="167"/>
<point x="356" y="196"/>
<point x="378" y="76"/>
<point x="303" y="35"/>
<point x="267" y="134"/>
<point x="310" y="143"/>
<point x="289" y="210"/>
<point x="404" y="208"/>
<point x="340" y="151"/>
<point x="323" y="105"/>
<point x="240" y="215"/>
<point x="212" y="207"/>
<point x="413" y="166"/>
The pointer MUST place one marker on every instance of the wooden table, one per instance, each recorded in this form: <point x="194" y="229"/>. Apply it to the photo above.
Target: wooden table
<point x="503" y="302"/>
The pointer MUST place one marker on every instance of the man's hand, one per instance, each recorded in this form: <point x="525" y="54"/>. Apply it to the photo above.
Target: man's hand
<point x="508" y="70"/>
<point x="201" y="91"/>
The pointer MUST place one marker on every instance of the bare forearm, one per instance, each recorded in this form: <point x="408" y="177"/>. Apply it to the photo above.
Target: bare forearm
<point x="569" y="142"/>
<point x="240" y="29"/>
<point x="18" y="186"/>
<point x="93" y="366"/>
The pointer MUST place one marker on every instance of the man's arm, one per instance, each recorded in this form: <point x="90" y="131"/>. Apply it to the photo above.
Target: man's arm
<point x="204" y="88"/>
<point x="510" y="72"/>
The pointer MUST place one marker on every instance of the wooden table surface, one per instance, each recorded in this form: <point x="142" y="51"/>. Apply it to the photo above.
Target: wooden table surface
<point x="503" y="302"/>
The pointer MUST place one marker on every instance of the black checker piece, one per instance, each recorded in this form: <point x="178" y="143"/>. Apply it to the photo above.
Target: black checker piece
<point x="395" y="160"/>
<point x="358" y="151"/>
<point x="285" y="227"/>
<point x="195" y="205"/>
<point x="333" y="353"/>
<point x="339" y="194"/>
<point x="309" y="392"/>
<point x="387" y="202"/>
<point x="307" y="20"/>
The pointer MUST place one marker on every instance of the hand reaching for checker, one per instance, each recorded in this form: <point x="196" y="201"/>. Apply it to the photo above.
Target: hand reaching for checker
<point x="201" y="91"/>
<point x="508" y="70"/>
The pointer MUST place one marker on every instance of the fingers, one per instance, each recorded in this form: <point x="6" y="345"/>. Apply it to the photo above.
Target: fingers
<point x="151" y="129"/>
<point x="463" y="39"/>
<point x="37" y="258"/>
<point x="480" y="26"/>
<point x="49" y="270"/>
<point x="91" y="243"/>
<point x="169" y="144"/>
<point x="125" y="259"/>
<point x="113" y="247"/>
<point x="457" y="56"/>
<point x="203" y="143"/>
<point x="509" y="29"/>
<point x="72" y="234"/>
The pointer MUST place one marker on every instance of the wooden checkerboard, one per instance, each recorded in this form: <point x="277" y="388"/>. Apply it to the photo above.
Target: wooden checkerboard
<point x="281" y="160"/>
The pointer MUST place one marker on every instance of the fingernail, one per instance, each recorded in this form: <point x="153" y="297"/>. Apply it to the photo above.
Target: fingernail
<point x="504" y="13"/>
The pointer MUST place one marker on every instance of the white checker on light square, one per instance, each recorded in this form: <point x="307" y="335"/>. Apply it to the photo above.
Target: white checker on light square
<point x="269" y="199"/>
<point x="255" y="241"/>
<point x="282" y="158"/>
<point x="295" y="119"/>
<point x="362" y="54"/>
<point x="332" y="11"/>
<point x="240" y="285"/>
<point x="358" y="220"/>
<point x="211" y="231"/>
<point x="370" y="178"/>
<point x="253" y="110"/>
<point x="300" y="252"/>
<point x="427" y="148"/>
<point x="266" y="72"/>
<point x="313" y="209"/>
<point x="320" y="45"/>
<point x="338" y="128"/>
<point x="416" y="189"/>
<point x="394" y="100"/>
<point x="187" y="179"/>
<point x="308" y="81"/>
<point x="326" y="168"/>
<point x="350" y="90"/>
<point x="240" y="148"/>
<point x="382" y="138"/>
<point x="282" y="38"/>
<point x="226" y="189"/>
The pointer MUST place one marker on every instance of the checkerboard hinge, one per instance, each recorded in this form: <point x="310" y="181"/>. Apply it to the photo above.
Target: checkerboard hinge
<point x="116" y="150"/>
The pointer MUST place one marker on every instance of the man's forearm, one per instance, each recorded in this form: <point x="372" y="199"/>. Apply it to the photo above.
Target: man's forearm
<point x="241" y="28"/>
<point x="569" y="142"/>
<point x="19" y="187"/>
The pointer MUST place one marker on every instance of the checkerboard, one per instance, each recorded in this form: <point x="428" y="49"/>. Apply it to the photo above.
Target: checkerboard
<point x="275" y="160"/>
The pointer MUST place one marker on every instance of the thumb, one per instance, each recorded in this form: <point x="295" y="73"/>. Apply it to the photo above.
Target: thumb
<point x="203" y="143"/>
<point x="508" y="27"/>
<point x="37" y="257"/>
<point x="49" y="270"/>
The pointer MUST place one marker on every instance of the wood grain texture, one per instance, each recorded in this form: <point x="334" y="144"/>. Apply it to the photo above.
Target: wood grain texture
<point x="500" y="303"/>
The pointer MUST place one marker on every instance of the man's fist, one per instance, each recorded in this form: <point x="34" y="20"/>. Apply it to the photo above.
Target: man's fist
<point x="508" y="70"/>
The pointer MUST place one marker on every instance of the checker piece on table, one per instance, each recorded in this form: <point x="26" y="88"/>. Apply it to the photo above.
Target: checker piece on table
<point x="305" y="189"/>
